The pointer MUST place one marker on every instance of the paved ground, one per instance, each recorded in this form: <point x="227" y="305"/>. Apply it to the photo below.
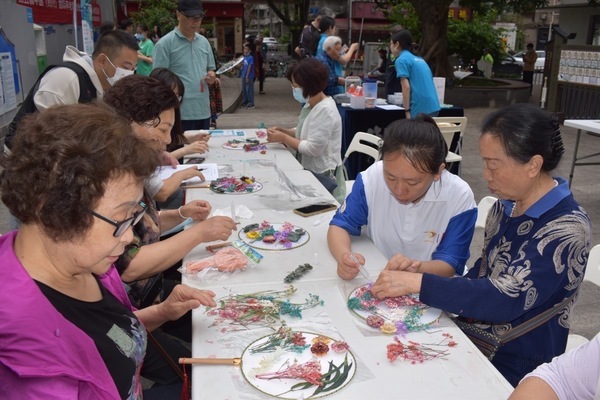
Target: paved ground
<point x="277" y="107"/>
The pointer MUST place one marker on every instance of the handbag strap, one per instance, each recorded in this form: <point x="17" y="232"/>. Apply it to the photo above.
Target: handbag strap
<point x="536" y="321"/>
<point x="166" y="356"/>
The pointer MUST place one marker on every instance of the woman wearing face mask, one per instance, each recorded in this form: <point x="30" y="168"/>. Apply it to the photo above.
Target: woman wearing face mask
<point x="420" y="216"/>
<point x="297" y="94"/>
<point x="320" y="140"/>
<point x="144" y="65"/>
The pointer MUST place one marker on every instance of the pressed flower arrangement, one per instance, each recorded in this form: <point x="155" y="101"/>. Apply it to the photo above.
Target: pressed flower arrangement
<point x="234" y="185"/>
<point x="240" y="143"/>
<point x="416" y="352"/>
<point x="259" y="309"/>
<point x="393" y="315"/>
<point x="288" y="364"/>
<point x="268" y="236"/>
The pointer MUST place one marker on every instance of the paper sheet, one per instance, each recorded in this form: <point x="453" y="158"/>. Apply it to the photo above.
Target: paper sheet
<point x="225" y="132"/>
<point x="210" y="171"/>
<point x="215" y="132"/>
<point x="389" y="107"/>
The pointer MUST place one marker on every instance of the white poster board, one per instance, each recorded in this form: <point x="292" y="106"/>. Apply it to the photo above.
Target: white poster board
<point x="8" y="95"/>
<point x="440" y="88"/>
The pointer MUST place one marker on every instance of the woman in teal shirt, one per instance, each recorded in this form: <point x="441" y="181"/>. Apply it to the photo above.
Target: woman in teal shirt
<point x="144" y="65"/>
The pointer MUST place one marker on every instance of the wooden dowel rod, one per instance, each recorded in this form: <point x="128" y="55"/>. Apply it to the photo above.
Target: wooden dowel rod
<point x="213" y="247"/>
<point x="196" y="186"/>
<point x="211" y="361"/>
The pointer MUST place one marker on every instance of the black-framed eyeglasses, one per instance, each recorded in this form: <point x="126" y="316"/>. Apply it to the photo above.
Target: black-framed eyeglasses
<point x="122" y="226"/>
<point x="195" y="18"/>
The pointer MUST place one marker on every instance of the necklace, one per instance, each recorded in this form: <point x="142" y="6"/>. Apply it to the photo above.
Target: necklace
<point x="512" y="211"/>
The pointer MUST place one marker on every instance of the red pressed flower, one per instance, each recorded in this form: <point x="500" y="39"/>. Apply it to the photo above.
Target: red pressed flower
<point x="375" y="321"/>
<point x="298" y="339"/>
<point x="310" y="372"/>
<point x="319" y="349"/>
<point x="339" y="346"/>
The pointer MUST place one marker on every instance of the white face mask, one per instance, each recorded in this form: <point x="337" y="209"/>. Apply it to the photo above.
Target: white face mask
<point x="297" y="92"/>
<point x="120" y="73"/>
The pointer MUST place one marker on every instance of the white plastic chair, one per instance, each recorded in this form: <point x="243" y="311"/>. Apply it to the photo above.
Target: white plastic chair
<point x="358" y="145"/>
<point x="574" y="341"/>
<point x="592" y="274"/>
<point x="483" y="208"/>
<point x="449" y="126"/>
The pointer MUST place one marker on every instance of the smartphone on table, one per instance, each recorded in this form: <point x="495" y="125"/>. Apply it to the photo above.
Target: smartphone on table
<point x="314" y="209"/>
<point x="195" y="160"/>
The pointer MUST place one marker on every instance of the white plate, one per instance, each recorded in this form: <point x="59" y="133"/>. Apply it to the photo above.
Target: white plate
<point x="280" y="388"/>
<point x="234" y="146"/>
<point x="259" y="244"/>
<point x="427" y="314"/>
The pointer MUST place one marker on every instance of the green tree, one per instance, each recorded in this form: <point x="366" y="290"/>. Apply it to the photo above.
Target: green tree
<point x="403" y="13"/>
<point x="467" y="39"/>
<point x="433" y="16"/>
<point x="157" y="12"/>
<point x="293" y="14"/>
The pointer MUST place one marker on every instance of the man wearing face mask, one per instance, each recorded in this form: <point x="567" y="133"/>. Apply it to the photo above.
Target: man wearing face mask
<point x="189" y="55"/>
<point x="81" y="78"/>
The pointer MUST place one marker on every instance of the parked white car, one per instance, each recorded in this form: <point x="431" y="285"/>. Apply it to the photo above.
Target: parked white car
<point x="270" y="41"/>
<point x="539" y="63"/>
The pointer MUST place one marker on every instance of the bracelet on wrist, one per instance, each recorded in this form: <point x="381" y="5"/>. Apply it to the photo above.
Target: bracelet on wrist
<point x="180" y="214"/>
<point x="407" y="110"/>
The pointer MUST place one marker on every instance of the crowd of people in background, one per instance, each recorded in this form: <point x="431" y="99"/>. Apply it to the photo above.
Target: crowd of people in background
<point x="89" y="241"/>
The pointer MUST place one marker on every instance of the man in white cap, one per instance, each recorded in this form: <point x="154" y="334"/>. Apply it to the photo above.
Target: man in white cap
<point x="189" y="55"/>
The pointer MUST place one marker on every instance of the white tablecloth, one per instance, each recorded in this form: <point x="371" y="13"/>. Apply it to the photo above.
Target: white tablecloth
<point x="464" y="374"/>
<point x="253" y="160"/>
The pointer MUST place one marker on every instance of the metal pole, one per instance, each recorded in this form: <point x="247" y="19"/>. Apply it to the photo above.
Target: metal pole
<point x="544" y="93"/>
<point x="362" y="21"/>
<point x="550" y="27"/>
<point x="75" y="30"/>
<point x="349" y="21"/>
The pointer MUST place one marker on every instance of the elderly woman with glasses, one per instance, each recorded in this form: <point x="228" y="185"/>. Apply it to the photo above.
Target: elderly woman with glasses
<point x="68" y="330"/>
<point x="150" y="107"/>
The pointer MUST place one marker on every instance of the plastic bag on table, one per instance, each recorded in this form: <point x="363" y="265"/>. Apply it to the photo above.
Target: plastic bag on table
<point x="224" y="263"/>
<point x="292" y="195"/>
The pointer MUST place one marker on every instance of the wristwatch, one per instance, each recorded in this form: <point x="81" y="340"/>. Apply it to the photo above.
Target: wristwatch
<point x="407" y="110"/>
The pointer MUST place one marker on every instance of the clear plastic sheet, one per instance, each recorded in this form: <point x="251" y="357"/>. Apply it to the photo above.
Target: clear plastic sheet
<point x="291" y="195"/>
<point x="218" y="267"/>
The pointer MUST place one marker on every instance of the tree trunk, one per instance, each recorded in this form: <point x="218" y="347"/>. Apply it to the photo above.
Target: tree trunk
<point x="295" y="26"/>
<point x="433" y="15"/>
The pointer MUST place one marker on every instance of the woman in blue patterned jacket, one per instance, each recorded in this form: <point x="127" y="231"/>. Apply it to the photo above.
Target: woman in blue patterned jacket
<point x="537" y="240"/>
